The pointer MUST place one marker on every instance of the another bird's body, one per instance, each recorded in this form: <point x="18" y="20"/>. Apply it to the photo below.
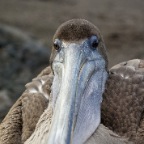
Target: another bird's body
<point x="38" y="115"/>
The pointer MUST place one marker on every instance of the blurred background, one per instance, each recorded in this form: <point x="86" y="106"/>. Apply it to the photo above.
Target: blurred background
<point x="27" y="28"/>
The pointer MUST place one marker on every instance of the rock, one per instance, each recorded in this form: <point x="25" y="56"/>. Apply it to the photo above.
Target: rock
<point x="5" y="103"/>
<point x="21" y="58"/>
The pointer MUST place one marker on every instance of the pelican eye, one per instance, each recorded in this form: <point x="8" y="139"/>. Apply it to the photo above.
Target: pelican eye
<point x="94" y="42"/>
<point x="57" y="44"/>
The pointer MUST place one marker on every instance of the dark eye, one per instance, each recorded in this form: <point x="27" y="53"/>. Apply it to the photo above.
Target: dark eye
<point x="57" y="44"/>
<point x="94" y="42"/>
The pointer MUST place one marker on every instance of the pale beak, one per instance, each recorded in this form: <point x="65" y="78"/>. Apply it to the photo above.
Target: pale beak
<point x="78" y="81"/>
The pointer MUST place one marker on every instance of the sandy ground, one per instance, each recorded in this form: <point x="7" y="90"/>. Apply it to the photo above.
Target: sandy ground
<point x="120" y="21"/>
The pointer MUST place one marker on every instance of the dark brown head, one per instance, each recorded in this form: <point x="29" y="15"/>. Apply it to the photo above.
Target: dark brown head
<point x="76" y="30"/>
<point x="79" y="63"/>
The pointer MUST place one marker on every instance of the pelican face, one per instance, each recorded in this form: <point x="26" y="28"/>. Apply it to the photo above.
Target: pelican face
<point x="79" y="65"/>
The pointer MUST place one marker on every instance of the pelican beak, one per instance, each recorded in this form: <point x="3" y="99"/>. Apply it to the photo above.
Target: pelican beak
<point x="79" y="78"/>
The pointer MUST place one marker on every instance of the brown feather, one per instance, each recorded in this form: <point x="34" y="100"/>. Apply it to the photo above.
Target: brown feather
<point x="29" y="119"/>
<point x="78" y="29"/>
<point x="11" y="126"/>
<point x="22" y="118"/>
<point x="33" y="106"/>
<point x="75" y="30"/>
<point x="123" y="100"/>
<point x="27" y="127"/>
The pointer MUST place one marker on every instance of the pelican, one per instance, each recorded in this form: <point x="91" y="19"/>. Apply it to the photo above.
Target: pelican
<point x="77" y="100"/>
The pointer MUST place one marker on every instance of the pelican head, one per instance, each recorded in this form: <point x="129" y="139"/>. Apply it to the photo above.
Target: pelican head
<point x="79" y="63"/>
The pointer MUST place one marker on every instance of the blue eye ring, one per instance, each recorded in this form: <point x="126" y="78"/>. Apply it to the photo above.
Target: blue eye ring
<point x="57" y="44"/>
<point x="94" y="42"/>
